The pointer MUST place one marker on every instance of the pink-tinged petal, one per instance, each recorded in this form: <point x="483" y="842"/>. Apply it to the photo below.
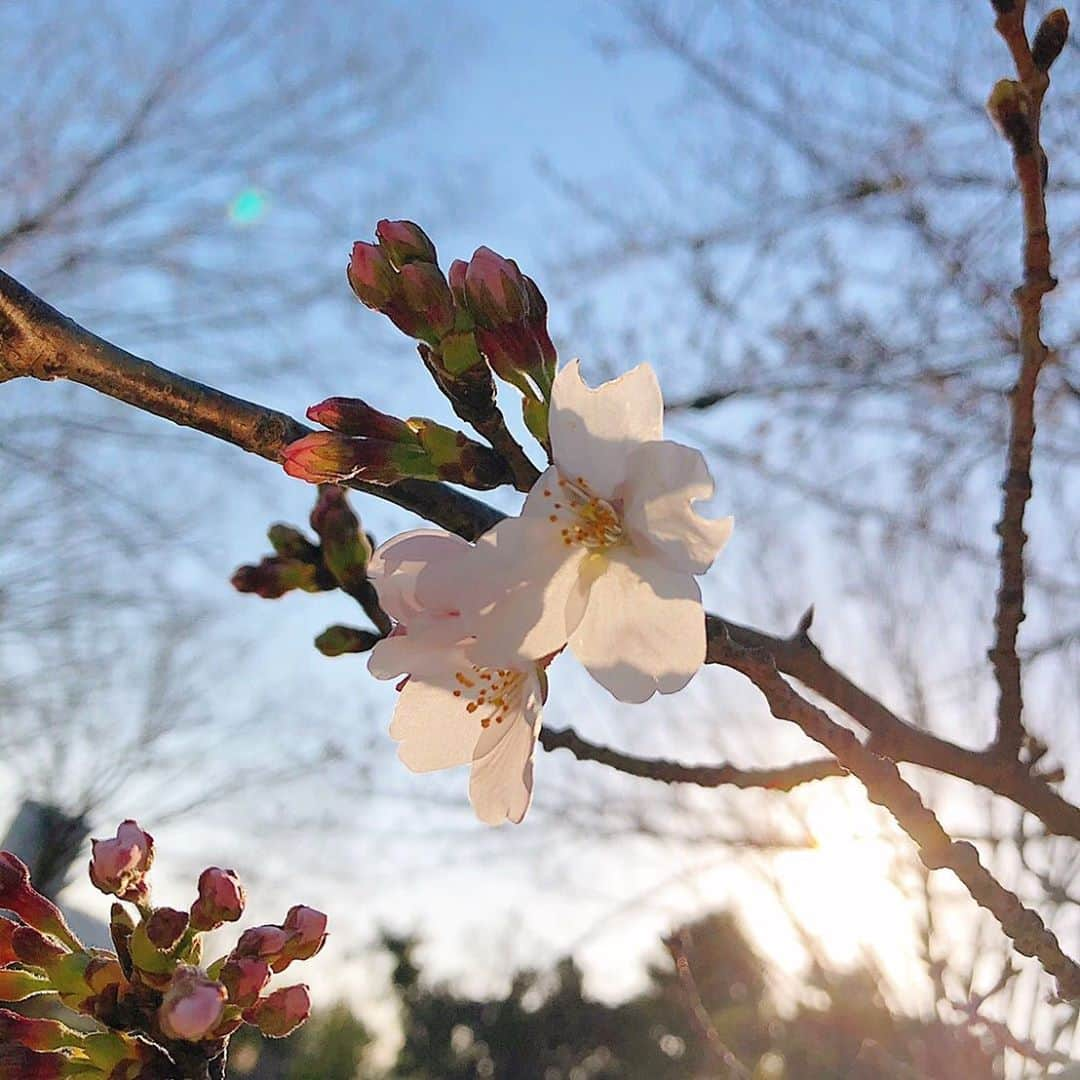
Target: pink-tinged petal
<point x="419" y="650"/>
<point x="501" y="783"/>
<point x="664" y="480"/>
<point x="396" y="565"/>
<point x="643" y="630"/>
<point x="594" y="431"/>
<point x="432" y="727"/>
<point x="519" y="581"/>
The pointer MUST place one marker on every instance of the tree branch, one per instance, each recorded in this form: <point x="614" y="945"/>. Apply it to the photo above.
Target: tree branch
<point x="781" y="778"/>
<point x="886" y="787"/>
<point x="37" y="341"/>
<point x="1029" y="161"/>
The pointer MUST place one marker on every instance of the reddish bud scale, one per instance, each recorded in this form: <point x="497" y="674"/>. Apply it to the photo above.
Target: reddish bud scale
<point x="345" y="547"/>
<point x="19" y="896"/>
<point x="34" y="949"/>
<point x="262" y="942"/>
<point x="423" y="305"/>
<point x="7" y="950"/>
<point x="18" y="1063"/>
<point x="35" y="1034"/>
<point x="325" y="457"/>
<point x="307" y="928"/>
<point x="275" y="576"/>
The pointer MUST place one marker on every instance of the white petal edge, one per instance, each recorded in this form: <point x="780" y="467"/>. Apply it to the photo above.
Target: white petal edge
<point x="664" y="480"/>
<point x="643" y="630"/>
<point x="594" y="430"/>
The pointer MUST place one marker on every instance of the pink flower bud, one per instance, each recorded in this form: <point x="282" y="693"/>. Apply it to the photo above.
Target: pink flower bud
<point x="324" y="457"/>
<point x="119" y="866"/>
<point x="263" y="942"/>
<point x="371" y="276"/>
<point x="165" y="927"/>
<point x="308" y="927"/>
<point x="282" y="1012"/>
<point x="244" y="978"/>
<point x="456" y="278"/>
<point x="221" y="899"/>
<point x="405" y="242"/>
<point x="193" y="1005"/>
<point x="19" y="896"/>
<point x="425" y="306"/>
<point x="351" y="416"/>
<point x="494" y="289"/>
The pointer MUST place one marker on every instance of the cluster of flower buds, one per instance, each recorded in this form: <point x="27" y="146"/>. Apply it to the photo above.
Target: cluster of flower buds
<point x="158" y="1012"/>
<point x="338" y="561"/>
<point x="366" y="444"/>
<point x="484" y="309"/>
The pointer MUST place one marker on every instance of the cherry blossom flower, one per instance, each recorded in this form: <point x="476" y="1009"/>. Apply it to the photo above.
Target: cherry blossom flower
<point x="606" y="551"/>
<point x="452" y="710"/>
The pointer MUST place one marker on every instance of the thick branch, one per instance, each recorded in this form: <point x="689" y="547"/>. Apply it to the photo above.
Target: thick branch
<point x="782" y="778"/>
<point x="886" y="787"/>
<point x="37" y="341"/>
<point x="1030" y="164"/>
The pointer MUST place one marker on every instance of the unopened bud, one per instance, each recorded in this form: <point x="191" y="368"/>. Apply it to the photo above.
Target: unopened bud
<point x="291" y="543"/>
<point x="423" y="307"/>
<point x="371" y="276"/>
<point x="345" y="547"/>
<point x="274" y="577"/>
<point x="536" y="319"/>
<point x="458" y="353"/>
<point x="221" y="899"/>
<point x="19" y="896"/>
<point x="1007" y="106"/>
<point x="325" y="457"/>
<point x="281" y="1013"/>
<point x="244" y="978"/>
<point x="351" y="416"/>
<point x="119" y="866"/>
<point x="192" y="1006"/>
<point x="341" y="640"/>
<point x="405" y="242"/>
<point x="308" y="929"/>
<point x="494" y="289"/>
<point x="165" y="927"/>
<point x="1050" y="39"/>
<point x="262" y="942"/>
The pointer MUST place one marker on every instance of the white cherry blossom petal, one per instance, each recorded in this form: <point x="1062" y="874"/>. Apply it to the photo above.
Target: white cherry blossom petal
<point x="501" y="783"/>
<point x="643" y="629"/>
<point x="394" y="568"/>
<point x="593" y="430"/>
<point x="432" y="727"/>
<point x="416" y="650"/>
<point x="519" y="582"/>
<point x="664" y="480"/>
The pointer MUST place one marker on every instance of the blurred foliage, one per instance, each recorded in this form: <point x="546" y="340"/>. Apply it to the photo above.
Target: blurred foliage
<point x="547" y="1027"/>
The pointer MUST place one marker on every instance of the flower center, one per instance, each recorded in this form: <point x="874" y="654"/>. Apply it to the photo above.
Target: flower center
<point x="584" y="518"/>
<point x="493" y="693"/>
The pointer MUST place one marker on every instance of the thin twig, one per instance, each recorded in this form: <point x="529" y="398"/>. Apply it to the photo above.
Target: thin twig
<point x="781" y="778"/>
<point x="1030" y="164"/>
